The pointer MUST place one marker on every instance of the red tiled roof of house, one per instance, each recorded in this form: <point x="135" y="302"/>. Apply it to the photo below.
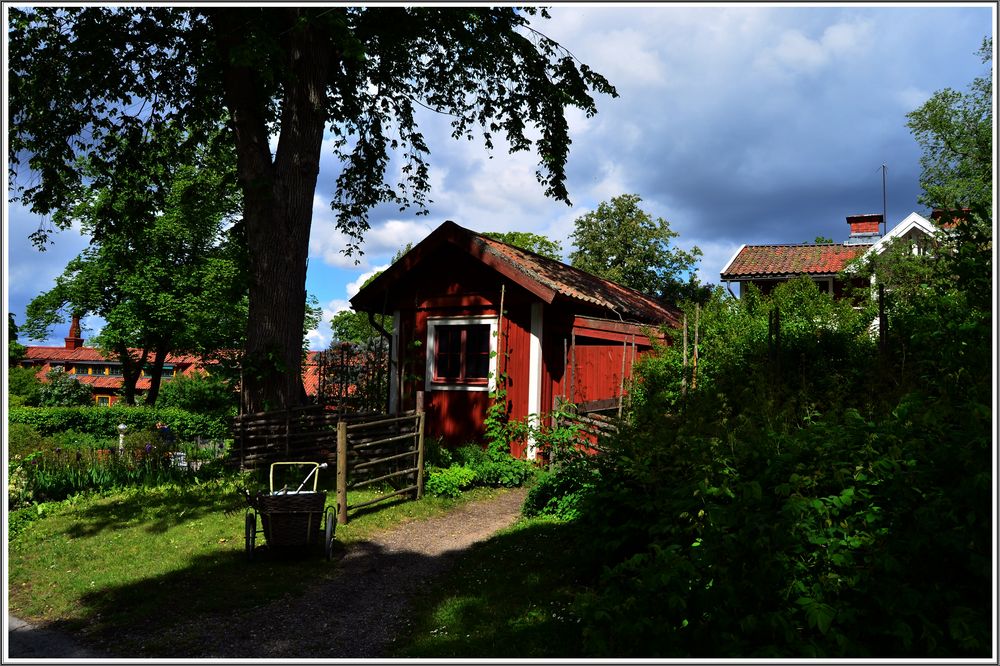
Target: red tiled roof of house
<point x="787" y="260"/>
<point x="91" y="355"/>
<point x="580" y="285"/>
<point x="545" y="277"/>
<point x="310" y="373"/>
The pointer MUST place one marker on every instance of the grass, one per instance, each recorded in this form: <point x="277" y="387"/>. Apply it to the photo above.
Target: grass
<point x="128" y="565"/>
<point x="513" y="596"/>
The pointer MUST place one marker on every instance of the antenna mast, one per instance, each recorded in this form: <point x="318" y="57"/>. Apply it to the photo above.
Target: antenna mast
<point x="884" y="221"/>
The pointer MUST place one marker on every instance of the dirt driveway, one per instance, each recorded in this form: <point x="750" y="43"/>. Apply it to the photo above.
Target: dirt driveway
<point x="377" y="577"/>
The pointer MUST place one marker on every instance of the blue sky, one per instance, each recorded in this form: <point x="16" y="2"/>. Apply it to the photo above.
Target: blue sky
<point x="738" y="124"/>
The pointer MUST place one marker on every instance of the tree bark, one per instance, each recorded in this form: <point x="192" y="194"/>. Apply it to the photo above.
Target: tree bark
<point x="159" y="360"/>
<point x="131" y="371"/>
<point x="278" y="196"/>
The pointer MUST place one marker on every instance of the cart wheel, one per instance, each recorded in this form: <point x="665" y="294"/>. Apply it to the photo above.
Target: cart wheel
<point x="251" y="533"/>
<point x="331" y="529"/>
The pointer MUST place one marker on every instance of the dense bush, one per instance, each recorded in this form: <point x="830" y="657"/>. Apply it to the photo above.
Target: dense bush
<point x="103" y="422"/>
<point x="450" y="481"/>
<point x="805" y="495"/>
<point x="199" y="392"/>
<point x="63" y="390"/>
<point x="561" y="493"/>
<point x="471" y="465"/>
<point x="23" y="387"/>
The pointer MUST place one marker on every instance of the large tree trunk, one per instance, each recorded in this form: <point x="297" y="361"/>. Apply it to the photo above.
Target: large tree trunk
<point x="159" y="360"/>
<point x="278" y="196"/>
<point x="131" y="371"/>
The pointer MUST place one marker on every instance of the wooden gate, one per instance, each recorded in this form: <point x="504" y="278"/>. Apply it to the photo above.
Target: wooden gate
<point x="365" y="449"/>
<point x="377" y="451"/>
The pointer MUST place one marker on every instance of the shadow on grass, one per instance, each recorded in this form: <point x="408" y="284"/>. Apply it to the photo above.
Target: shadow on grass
<point x="285" y="603"/>
<point x="512" y="596"/>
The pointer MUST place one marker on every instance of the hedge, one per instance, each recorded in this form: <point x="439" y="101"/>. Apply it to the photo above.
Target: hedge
<point x="103" y="421"/>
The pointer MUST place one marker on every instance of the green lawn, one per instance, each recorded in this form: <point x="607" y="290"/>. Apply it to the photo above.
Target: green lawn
<point x="133" y="563"/>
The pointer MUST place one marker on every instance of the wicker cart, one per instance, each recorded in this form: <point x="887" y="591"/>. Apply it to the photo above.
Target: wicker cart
<point x="292" y="517"/>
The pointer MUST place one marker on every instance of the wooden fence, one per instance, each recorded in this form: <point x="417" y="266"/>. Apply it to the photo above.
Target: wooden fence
<point x="596" y="420"/>
<point x="364" y="449"/>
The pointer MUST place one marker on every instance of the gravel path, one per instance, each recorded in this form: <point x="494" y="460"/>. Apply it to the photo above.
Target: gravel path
<point x="369" y="596"/>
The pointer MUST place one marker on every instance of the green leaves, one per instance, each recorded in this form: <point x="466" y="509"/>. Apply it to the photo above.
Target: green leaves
<point x="955" y="131"/>
<point x="622" y="243"/>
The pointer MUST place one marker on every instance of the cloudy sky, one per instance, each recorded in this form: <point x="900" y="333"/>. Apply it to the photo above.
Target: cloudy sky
<point x="738" y="124"/>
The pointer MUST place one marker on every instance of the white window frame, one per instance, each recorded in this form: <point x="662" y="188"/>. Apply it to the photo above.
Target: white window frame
<point x="432" y="324"/>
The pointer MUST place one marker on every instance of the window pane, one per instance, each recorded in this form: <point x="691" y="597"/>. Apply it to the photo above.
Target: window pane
<point x="448" y="352"/>
<point x="477" y="351"/>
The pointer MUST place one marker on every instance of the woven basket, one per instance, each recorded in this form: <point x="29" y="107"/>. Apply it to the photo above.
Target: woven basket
<point x="292" y="520"/>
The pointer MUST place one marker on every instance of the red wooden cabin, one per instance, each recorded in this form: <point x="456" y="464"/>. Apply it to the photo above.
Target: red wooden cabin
<point x="468" y="309"/>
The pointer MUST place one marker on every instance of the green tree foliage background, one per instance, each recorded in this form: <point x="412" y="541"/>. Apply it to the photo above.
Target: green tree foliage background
<point x="531" y="242"/>
<point x="166" y="268"/>
<point x="955" y="131"/>
<point x="625" y="244"/>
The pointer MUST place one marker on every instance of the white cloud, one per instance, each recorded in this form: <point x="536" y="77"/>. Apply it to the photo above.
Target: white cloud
<point x="392" y="236"/>
<point x="630" y="56"/>
<point x="715" y="255"/>
<point x="794" y="52"/>
<point x="355" y="286"/>
<point x="317" y="339"/>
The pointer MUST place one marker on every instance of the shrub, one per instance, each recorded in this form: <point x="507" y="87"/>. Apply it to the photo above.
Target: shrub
<point x="199" y="392"/>
<point x="561" y="493"/>
<point x="103" y="422"/>
<point x="23" y="387"/>
<point x="435" y="453"/>
<point x="509" y="473"/>
<point x="449" y="482"/>
<point x="63" y="390"/>
<point x="24" y="439"/>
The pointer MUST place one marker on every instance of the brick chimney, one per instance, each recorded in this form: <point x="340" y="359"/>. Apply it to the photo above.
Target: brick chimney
<point x="865" y="229"/>
<point x="74" y="341"/>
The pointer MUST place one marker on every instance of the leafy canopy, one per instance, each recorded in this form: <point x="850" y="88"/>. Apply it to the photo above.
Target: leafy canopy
<point x="531" y="242"/>
<point x="92" y="81"/>
<point x="625" y="244"/>
<point x="955" y="131"/>
<point x="166" y="265"/>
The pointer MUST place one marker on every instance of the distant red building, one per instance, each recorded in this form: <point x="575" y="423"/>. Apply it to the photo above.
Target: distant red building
<point x="88" y="366"/>
<point x="468" y="310"/>
<point x="766" y="266"/>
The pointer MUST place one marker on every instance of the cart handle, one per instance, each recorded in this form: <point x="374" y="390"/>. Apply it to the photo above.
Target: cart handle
<point x="315" y="465"/>
<point x="315" y="481"/>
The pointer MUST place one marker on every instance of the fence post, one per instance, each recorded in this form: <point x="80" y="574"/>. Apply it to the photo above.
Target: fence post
<point x="420" y="454"/>
<point x="342" y="472"/>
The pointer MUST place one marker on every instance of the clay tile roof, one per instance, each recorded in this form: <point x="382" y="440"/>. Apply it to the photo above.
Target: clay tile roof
<point x="310" y="373"/>
<point x="575" y="284"/>
<point x="105" y="381"/>
<point x="93" y="355"/>
<point x="545" y="277"/>
<point x="788" y="260"/>
<point x="63" y="354"/>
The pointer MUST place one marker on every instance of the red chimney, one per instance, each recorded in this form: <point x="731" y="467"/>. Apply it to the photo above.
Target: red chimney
<point x="74" y="341"/>
<point x="864" y="228"/>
